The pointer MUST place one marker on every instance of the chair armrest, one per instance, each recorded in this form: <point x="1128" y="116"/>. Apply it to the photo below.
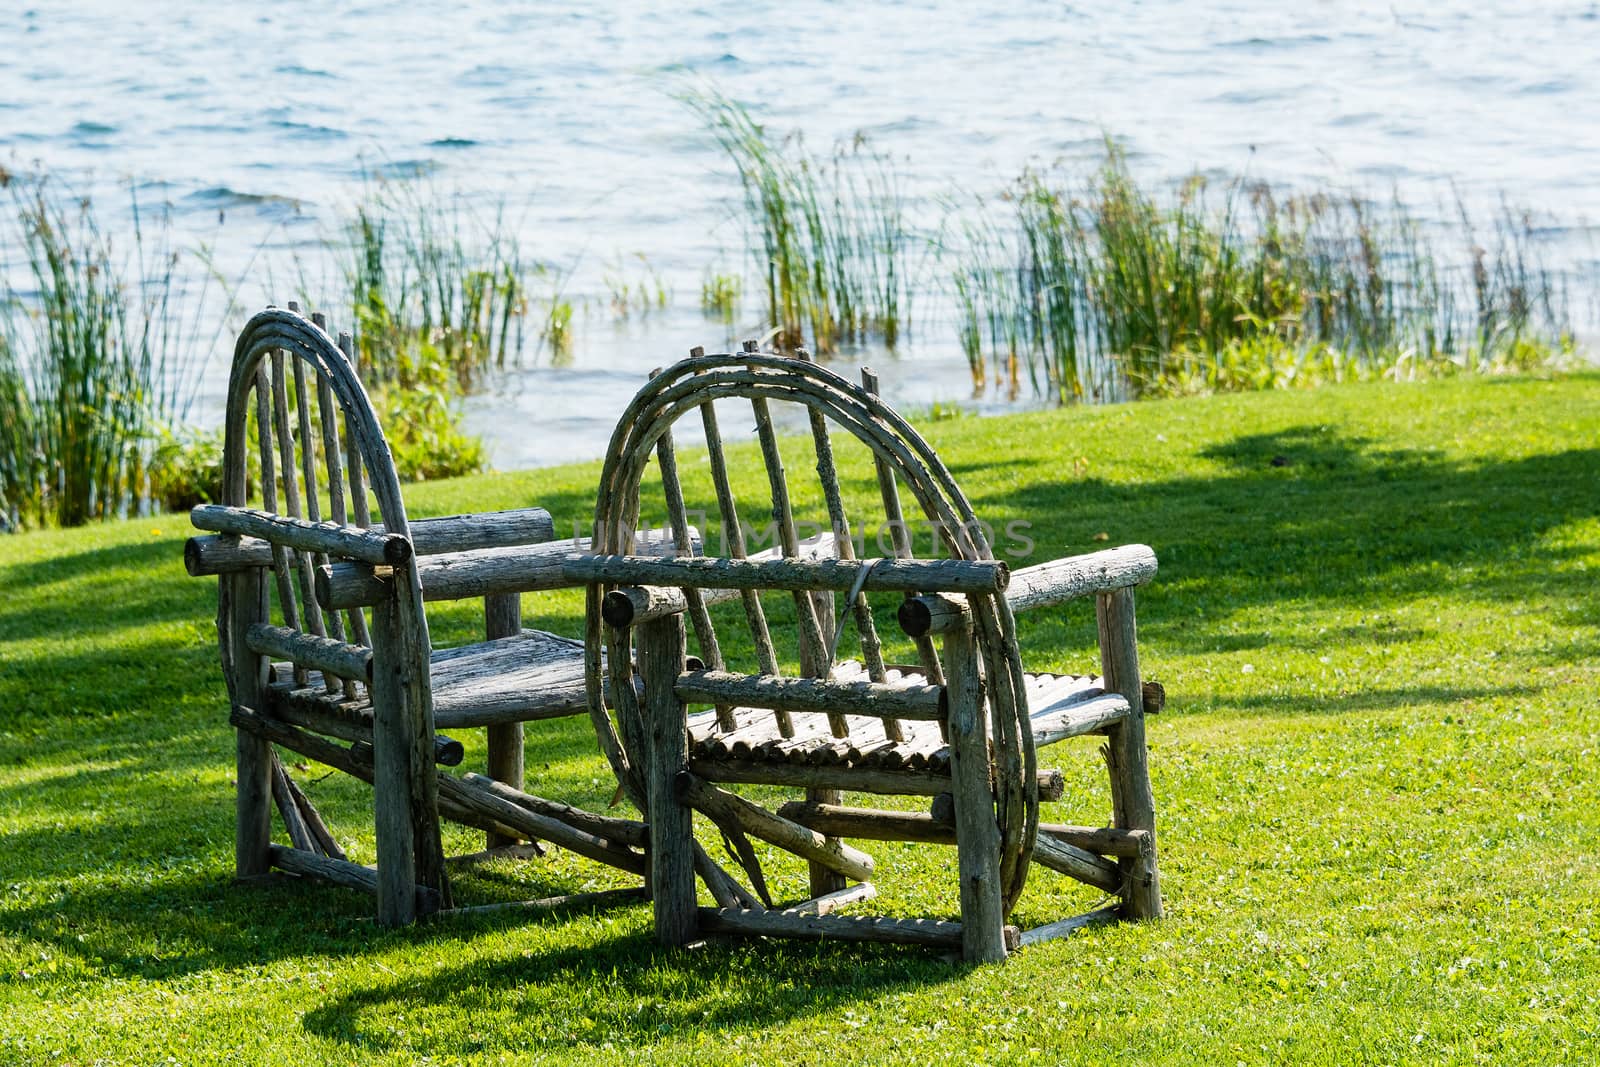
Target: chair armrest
<point x="370" y="546"/>
<point x="474" y="573"/>
<point x="1040" y="586"/>
<point x="1044" y="585"/>
<point x="801" y="575"/>
<point x="429" y="537"/>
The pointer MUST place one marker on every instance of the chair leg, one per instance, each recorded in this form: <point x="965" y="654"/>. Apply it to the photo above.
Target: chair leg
<point x="502" y="617"/>
<point x="672" y="887"/>
<point x="977" y="832"/>
<point x="245" y="603"/>
<point x="391" y="776"/>
<point x="1133" y="803"/>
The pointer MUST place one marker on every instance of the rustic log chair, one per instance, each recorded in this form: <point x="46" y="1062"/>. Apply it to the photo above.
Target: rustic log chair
<point x="308" y="670"/>
<point x="962" y="728"/>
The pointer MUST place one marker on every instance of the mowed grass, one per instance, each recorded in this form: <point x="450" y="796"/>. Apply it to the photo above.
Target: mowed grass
<point x="1377" y="780"/>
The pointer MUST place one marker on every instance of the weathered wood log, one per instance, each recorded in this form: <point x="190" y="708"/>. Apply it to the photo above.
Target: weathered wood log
<point x="952" y="575"/>
<point x="1063" y="927"/>
<point x="603" y="898"/>
<point x="933" y="933"/>
<point x="699" y="617"/>
<point x="829" y="903"/>
<point x="878" y="699"/>
<point x="242" y="602"/>
<point x="1155" y="697"/>
<point x="720" y="805"/>
<point x="1132" y="803"/>
<point x="899" y="534"/>
<point x="294" y="824"/>
<point x="222" y="554"/>
<point x="313" y="820"/>
<point x="938" y="828"/>
<point x="1095" y="715"/>
<point x="478" y="794"/>
<point x="809" y="628"/>
<point x="344" y="873"/>
<point x="636" y="605"/>
<point x="469" y="574"/>
<point x="354" y="760"/>
<point x="851" y="779"/>
<point x="1038" y="586"/>
<point x="977" y="832"/>
<point x="923" y="616"/>
<point x="307" y="650"/>
<point x="352" y="723"/>
<point x="869" y="824"/>
<point x="307" y="537"/>
<point x="1085" y="866"/>
<point x="733" y="535"/>
<point x="621" y="831"/>
<point x="724" y="889"/>
<point x="502" y="617"/>
<point x="311" y="613"/>
<point x="665" y="757"/>
<point x="1101" y="840"/>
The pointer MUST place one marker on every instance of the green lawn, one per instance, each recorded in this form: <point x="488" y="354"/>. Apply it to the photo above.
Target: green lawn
<point x="1377" y="785"/>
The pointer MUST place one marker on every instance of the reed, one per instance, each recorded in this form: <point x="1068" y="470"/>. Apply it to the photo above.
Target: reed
<point x="830" y="232"/>
<point x="100" y="355"/>
<point x="1103" y="289"/>
<point x="424" y="272"/>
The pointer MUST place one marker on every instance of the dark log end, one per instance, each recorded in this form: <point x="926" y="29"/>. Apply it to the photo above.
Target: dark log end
<point x="693" y="663"/>
<point x="1155" y="698"/>
<point x="447" y="751"/>
<point x="1052" y="784"/>
<point x="322" y="581"/>
<point x="696" y="352"/>
<point x="943" y="809"/>
<point x="915" y="618"/>
<point x="1013" y="938"/>
<point x="944" y="704"/>
<point x="396" y="549"/>
<point x="191" y="557"/>
<point x="1002" y="577"/>
<point x="617" y="609"/>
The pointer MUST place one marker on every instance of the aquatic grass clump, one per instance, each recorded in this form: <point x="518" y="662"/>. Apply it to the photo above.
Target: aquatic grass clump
<point x="1103" y="289"/>
<point x="832" y="235"/>
<point x="97" y="361"/>
<point x="440" y="299"/>
<point x="422" y="270"/>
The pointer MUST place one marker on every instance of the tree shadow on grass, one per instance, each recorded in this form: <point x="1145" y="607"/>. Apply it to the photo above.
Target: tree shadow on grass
<point x="1340" y="521"/>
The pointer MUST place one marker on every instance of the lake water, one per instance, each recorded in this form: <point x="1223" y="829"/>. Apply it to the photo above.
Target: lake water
<point x="267" y="116"/>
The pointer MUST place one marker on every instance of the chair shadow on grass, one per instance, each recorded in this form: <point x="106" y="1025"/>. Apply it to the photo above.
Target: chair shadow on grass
<point x="628" y="991"/>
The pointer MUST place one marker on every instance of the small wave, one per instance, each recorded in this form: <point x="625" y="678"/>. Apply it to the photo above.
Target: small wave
<point x="305" y="72"/>
<point x="307" y="131"/>
<point x="453" y="142"/>
<point x="86" y="128"/>
<point x="222" y="197"/>
<point x="405" y="168"/>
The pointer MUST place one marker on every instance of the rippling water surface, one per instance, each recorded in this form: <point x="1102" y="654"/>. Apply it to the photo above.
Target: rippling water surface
<point x="267" y="116"/>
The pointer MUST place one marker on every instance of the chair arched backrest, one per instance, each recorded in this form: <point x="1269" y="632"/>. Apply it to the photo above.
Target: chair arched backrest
<point x="902" y="459"/>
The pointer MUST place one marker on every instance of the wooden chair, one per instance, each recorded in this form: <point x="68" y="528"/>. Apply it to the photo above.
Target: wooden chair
<point x="962" y="726"/>
<point x="325" y="644"/>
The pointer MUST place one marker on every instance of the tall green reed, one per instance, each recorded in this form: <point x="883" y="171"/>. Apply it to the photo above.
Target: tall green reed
<point x="1105" y="289"/>
<point x="832" y="235"/>
<point x="97" y="359"/>
<point x="432" y="283"/>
